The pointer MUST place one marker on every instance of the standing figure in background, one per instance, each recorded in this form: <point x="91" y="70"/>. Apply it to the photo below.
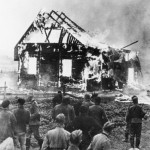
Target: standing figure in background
<point x="135" y="115"/>
<point x="94" y="95"/>
<point x="23" y="116"/>
<point x="64" y="108"/>
<point x="57" y="99"/>
<point x="97" y="112"/>
<point x="76" y="106"/>
<point x="87" y="101"/>
<point x="34" y="124"/>
<point x="7" y="123"/>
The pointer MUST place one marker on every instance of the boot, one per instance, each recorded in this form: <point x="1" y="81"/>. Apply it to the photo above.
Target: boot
<point x="137" y="142"/>
<point x="40" y="142"/>
<point x="126" y="137"/>
<point x="28" y="144"/>
<point x="132" y="142"/>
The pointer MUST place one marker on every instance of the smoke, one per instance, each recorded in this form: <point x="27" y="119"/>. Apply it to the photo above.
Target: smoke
<point x="10" y="78"/>
<point x="115" y="22"/>
<point x="45" y="78"/>
<point x="120" y="23"/>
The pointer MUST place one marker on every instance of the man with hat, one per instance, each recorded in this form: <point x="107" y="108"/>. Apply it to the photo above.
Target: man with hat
<point x="7" y="122"/>
<point x="64" y="108"/>
<point x="23" y="116"/>
<point x="34" y="123"/>
<point x="58" y="138"/>
<point x="101" y="141"/>
<point x="134" y="115"/>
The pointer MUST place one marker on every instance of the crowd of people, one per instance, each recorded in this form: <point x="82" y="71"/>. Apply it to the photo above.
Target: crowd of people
<point x="83" y="126"/>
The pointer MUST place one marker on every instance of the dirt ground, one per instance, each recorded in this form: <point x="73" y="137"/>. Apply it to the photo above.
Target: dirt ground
<point x="115" y="112"/>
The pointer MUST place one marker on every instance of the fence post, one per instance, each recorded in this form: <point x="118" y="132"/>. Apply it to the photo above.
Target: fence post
<point x="5" y="90"/>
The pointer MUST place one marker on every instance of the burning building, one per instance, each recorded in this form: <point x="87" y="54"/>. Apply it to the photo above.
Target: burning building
<point x="55" y="51"/>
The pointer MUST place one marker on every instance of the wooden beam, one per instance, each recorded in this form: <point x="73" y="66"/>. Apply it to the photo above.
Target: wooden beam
<point x="74" y="23"/>
<point x="62" y="20"/>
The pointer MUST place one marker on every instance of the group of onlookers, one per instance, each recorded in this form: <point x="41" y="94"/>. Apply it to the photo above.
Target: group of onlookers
<point x="14" y="123"/>
<point x="89" y="117"/>
<point x="85" y="127"/>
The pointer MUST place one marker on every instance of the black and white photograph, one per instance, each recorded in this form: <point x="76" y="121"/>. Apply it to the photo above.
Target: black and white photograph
<point x="75" y="75"/>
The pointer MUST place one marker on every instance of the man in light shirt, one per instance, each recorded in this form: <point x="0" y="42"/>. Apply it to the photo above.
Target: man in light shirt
<point x="58" y="138"/>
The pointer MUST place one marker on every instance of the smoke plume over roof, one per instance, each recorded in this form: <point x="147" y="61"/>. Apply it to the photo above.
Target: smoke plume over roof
<point x="115" y="22"/>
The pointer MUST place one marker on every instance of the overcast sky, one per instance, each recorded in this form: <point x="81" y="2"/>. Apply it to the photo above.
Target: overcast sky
<point x="115" y="22"/>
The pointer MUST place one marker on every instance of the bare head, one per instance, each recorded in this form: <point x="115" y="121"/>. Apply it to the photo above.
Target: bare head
<point x="87" y="97"/>
<point x="83" y="110"/>
<point x="97" y="100"/>
<point x="135" y="99"/>
<point x="60" y="119"/>
<point x="21" y="101"/>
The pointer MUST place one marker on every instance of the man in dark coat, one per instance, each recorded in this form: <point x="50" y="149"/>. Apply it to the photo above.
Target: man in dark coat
<point x="87" y="100"/>
<point x="134" y="115"/>
<point x="57" y="99"/>
<point x="127" y="129"/>
<point x="97" y="112"/>
<point x="64" y="108"/>
<point x="23" y="116"/>
<point x="76" y="106"/>
<point x="85" y="123"/>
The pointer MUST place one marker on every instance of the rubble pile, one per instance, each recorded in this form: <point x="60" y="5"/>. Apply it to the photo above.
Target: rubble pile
<point x="115" y="112"/>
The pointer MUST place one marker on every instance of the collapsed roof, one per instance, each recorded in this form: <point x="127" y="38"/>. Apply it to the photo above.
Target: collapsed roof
<point x="55" y="27"/>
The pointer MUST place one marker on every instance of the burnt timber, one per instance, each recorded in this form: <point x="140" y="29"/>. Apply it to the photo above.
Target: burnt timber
<point x="52" y="38"/>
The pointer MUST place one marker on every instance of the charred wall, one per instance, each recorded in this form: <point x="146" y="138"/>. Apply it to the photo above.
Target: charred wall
<point x="49" y="64"/>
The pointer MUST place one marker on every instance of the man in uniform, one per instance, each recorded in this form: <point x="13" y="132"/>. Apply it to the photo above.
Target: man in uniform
<point x="134" y="115"/>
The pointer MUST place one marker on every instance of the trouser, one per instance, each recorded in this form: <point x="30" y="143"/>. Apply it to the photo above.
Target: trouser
<point x="127" y="130"/>
<point x="22" y="140"/>
<point x="35" y="130"/>
<point x="135" y="132"/>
